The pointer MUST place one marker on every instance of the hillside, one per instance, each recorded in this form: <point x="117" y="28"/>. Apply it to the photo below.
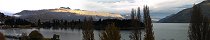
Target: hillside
<point x="185" y="15"/>
<point x="64" y="14"/>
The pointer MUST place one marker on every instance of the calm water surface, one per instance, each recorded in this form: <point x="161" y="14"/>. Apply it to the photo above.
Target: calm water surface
<point x="162" y="31"/>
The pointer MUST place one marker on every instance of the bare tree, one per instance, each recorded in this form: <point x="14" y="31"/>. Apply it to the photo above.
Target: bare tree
<point x="88" y="29"/>
<point x="111" y="33"/>
<point x="2" y="36"/>
<point x="148" y="25"/>
<point x="136" y="32"/>
<point x="199" y="28"/>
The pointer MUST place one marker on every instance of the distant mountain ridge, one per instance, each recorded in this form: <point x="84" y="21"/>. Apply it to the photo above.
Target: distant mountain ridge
<point x="64" y="14"/>
<point x="185" y="15"/>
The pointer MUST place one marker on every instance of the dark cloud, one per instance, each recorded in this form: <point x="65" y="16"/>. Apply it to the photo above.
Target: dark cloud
<point x="184" y="6"/>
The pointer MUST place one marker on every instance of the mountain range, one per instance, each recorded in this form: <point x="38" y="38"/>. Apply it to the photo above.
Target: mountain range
<point x="64" y="14"/>
<point x="185" y="15"/>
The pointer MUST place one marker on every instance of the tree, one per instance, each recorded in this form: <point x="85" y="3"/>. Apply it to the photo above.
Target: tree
<point x="88" y="29"/>
<point x="39" y="23"/>
<point x="199" y="28"/>
<point x="35" y="35"/>
<point x="148" y="25"/>
<point x="55" y="37"/>
<point x="136" y="32"/>
<point x="132" y="13"/>
<point x="1" y="15"/>
<point x="24" y="36"/>
<point x="111" y="33"/>
<point x="139" y="14"/>
<point x="135" y="35"/>
<point x="16" y="21"/>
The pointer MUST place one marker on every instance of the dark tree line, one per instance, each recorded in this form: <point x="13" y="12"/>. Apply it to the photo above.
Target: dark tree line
<point x="14" y="21"/>
<point x="199" y="28"/>
<point x="10" y="21"/>
<point x="124" y="24"/>
<point x="56" y="24"/>
<point x="3" y="18"/>
<point x="1" y="15"/>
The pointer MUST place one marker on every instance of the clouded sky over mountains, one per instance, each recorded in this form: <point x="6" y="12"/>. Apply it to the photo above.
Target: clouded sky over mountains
<point x="164" y="7"/>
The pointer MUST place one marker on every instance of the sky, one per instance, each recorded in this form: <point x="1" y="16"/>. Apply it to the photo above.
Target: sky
<point x="158" y="8"/>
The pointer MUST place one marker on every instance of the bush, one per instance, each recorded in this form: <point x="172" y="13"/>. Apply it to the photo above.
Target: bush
<point x="2" y="36"/>
<point x="35" y="35"/>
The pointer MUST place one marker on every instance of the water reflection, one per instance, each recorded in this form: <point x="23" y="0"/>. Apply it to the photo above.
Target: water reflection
<point x="162" y="31"/>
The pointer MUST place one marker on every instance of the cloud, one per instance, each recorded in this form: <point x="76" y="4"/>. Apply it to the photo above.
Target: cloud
<point x="116" y="7"/>
<point x="14" y="6"/>
<point x="125" y="6"/>
<point x="158" y="7"/>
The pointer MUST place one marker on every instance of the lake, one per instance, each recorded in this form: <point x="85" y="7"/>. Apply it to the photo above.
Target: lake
<point x="162" y="31"/>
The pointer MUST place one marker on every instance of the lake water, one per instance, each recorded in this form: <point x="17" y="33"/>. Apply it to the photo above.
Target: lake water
<point x="162" y="31"/>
